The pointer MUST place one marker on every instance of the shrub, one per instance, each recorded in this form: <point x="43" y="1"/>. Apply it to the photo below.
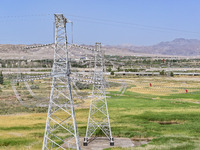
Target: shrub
<point x="1" y="77"/>
<point x="171" y="74"/>
<point x="162" y="72"/>
<point x="109" y="69"/>
<point x="112" y="73"/>
<point x="82" y="86"/>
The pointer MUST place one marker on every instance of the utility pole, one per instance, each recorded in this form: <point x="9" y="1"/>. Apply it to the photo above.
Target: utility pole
<point x="98" y="112"/>
<point x="61" y="129"/>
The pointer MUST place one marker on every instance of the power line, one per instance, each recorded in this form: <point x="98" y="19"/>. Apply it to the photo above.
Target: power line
<point x="107" y="21"/>
<point x="26" y="16"/>
<point x="116" y="25"/>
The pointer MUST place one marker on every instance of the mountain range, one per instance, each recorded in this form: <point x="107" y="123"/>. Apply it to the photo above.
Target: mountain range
<point x="177" y="47"/>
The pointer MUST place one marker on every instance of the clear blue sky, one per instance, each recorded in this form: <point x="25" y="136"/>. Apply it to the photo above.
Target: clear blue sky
<point x="112" y="22"/>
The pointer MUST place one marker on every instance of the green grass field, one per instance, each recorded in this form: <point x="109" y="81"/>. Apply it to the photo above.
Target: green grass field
<point x="171" y="120"/>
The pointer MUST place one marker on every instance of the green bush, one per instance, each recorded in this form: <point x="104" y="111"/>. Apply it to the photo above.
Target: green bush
<point x="82" y="86"/>
<point x="171" y="74"/>
<point x="162" y="73"/>
<point x="131" y="70"/>
<point x="112" y="73"/>
<point x="1" y="77"/>
<point x="109" y="69"/>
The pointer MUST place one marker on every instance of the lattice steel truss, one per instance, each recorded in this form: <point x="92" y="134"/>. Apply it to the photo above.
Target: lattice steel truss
<point x="61" y="129"/>
<point x="98" y="113"/>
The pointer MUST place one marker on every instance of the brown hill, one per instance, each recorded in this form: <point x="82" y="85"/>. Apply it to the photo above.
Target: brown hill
<point x="177" y="47"/>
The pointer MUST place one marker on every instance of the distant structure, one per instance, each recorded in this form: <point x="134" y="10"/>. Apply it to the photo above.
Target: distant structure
<point x="61" y="129"/>
<point x="98" y="113"/>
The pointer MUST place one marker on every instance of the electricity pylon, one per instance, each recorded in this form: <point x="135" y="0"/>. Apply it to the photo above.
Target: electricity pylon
<point x="98" y="113"/>
<point x="61" y="129"/>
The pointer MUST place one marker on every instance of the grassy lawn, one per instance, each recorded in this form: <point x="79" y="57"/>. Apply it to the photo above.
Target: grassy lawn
<point x="170" y="119"/>
<point x="143" y="116"/>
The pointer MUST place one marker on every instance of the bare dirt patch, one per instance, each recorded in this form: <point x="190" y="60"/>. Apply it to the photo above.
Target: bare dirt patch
<point x="101" y="143"/>
<point x="167" y="122"/>
<point x="141" y="141"/>
<point x="15" y="134"/>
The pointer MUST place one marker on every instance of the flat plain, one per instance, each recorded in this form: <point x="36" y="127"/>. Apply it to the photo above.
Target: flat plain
<point x="163" y="114"/>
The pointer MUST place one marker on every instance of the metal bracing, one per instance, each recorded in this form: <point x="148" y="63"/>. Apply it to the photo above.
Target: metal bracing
<point x="98" y="113"/>
<point x="61" y="129"/>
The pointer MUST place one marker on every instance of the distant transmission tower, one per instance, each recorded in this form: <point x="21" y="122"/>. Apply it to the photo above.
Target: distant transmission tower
<point x="61" y="128"/>
<point x="98" y="113"/>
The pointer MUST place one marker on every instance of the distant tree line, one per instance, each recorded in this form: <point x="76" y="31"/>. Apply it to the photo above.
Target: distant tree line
<point x="15" y="63"/>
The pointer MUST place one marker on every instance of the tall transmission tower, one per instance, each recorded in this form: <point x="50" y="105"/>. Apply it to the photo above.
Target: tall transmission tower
<point x="61" y="129"/>
<point x="98" y="113"/>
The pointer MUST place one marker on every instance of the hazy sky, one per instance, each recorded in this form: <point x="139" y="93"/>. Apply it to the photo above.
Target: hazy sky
<point x="111" y="22"/>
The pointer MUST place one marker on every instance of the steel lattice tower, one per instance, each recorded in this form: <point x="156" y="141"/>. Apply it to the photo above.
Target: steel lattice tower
<point x="61" y="128"/>
<point x="98" y="113"/>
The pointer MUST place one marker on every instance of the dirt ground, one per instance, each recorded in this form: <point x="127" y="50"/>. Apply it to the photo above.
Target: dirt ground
<point x="101" y="143"/>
